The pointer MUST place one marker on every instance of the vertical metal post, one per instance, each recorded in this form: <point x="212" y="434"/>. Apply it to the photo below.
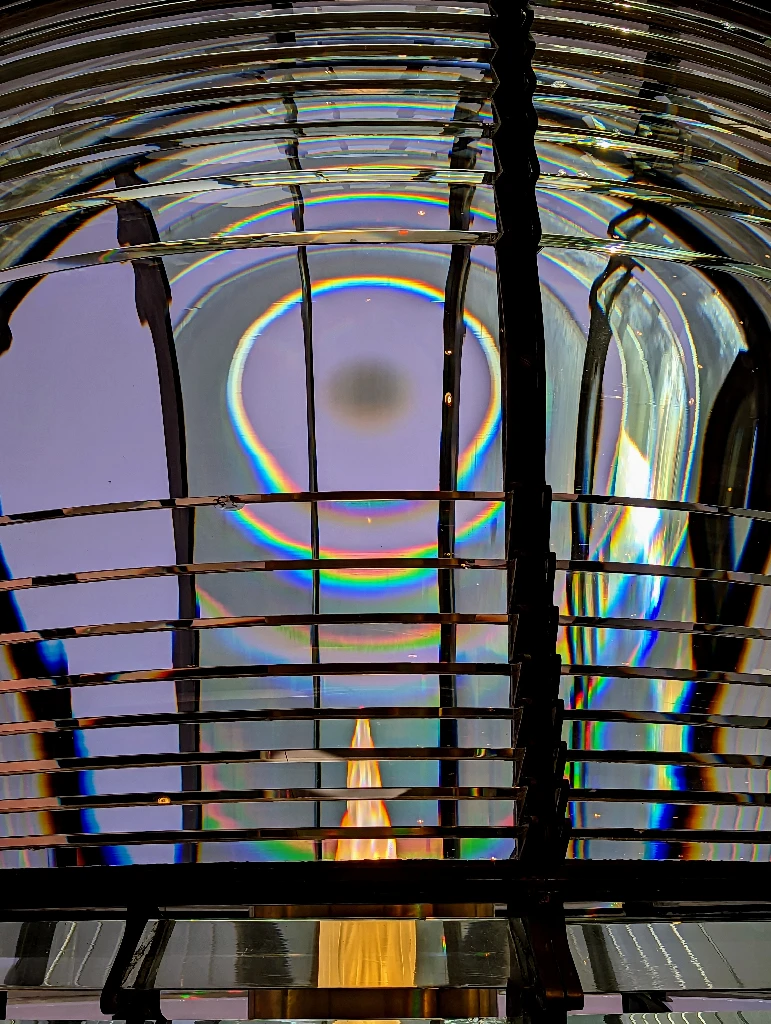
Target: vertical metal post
<point x="523" y="355"/>
<point x="136" y="226"/>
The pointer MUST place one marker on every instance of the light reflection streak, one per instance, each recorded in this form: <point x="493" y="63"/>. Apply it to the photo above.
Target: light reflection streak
<point x="652" y="538"/>
<point x="646" y="458"/>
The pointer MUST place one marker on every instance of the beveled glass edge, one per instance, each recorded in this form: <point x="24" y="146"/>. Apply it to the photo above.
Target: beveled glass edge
<point x="644" y="251"/>
<point x="259" y="18"/>
<point x="227" y="243"/>
<point x="665" y="672"/>
<point x="251" y="180"/>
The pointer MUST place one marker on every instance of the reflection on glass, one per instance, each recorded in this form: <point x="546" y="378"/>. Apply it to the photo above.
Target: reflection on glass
<point x="652" y="181"/>
<point x="264" y="270"/>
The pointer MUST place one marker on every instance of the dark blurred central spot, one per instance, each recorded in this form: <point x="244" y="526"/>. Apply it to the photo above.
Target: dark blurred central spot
<point x="368" y="392"/>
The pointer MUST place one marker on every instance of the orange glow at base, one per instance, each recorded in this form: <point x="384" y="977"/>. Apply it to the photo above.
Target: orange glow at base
<point x="365" y="813"/>
<point x="366" y="954"/>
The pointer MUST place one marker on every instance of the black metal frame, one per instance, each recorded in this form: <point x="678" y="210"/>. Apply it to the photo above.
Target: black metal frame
<point x="208" y="888"/>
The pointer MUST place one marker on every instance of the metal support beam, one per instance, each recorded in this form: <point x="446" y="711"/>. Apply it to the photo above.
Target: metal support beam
<point x="524" y="445"/>
<point x="136" y="226"/>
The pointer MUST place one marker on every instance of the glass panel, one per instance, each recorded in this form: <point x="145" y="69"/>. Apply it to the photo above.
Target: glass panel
<point x="658" y="956"/>
<point x="160" y="156"/>
<point x="63" y="954"/>
<point x="333" y="954"/>
<point x="655" y="377"/>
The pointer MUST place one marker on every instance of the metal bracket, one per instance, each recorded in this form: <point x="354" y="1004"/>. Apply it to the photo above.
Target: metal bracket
<point x="139" y="954"/>
<point x="547" y="984"/>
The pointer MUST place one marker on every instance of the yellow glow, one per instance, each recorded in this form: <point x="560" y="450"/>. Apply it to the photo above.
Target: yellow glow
<point x="366" y="954"/>
<point x="363" y="813"/>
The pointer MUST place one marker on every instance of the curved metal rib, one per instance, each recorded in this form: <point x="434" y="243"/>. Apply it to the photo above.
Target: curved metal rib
<point x="232" y="502"/>
<point x="660" y="503"/>
<point x="665" y="672"/>
<point x="244" y="621"/>
<point x="243" y="796"/>
<point x="270" y="715"/>
<point x="669" y="571"/>
<point x="255" y="835"/>
<point x="268" y="565"/>
<point x="665" y="626"/>
<point x="287" y="756"/>
<point x="262" y="671"/>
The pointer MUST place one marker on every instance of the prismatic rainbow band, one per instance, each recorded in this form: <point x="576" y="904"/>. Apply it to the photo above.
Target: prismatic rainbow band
<point x="275" y="479"/>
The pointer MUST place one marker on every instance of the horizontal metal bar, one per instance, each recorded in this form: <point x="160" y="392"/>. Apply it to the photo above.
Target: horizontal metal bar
<point x="52" y="804"/>
<point x="228" y="243"/>
<point x="339" y="755"/>
<point x="247" y="621"/>
<point x="656" y="672"/>
<point x="685" y="758"/>
<point x="105" y="891"/>
<point x="663" y="626"/>
<point x="672" y="835"/>
<point x="301" y="714"/>
<point x="267" y="565"/>
<point x="256" y="835"/>
<point x="615" y="500"/>
<point x="669" y="796"/>
<point x="705" y="721"/>
<point x="253" y="180"/>
<point x="676" y="572"/>
<point x="263" y="671"/>
<point x="231" y="502"/>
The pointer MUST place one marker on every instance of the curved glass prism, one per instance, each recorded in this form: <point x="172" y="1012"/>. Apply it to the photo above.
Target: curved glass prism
<point x="655" y="199"/>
